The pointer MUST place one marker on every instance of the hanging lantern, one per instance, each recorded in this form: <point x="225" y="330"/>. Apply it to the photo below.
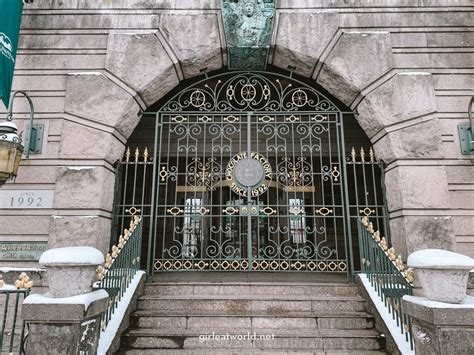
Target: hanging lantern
<point x="11" y="150"/>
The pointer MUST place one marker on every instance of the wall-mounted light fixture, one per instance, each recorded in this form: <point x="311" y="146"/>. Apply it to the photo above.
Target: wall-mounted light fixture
<point x="11" y="147"/>
<point x="466" y="133"/>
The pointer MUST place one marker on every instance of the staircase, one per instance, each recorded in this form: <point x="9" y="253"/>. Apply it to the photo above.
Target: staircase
<point x="293" y="312"/>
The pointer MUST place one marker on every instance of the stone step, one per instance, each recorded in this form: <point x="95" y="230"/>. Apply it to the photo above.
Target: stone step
<point x="247" y="352"/>
<point x="310" y="320"/>
<point x="238" y="304"/>
<point x="251" y="288"/>
<point x="328" y="339"/>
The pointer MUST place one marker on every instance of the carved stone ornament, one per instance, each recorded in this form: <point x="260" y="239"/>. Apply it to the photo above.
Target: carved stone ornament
<point x="248" y="26"/>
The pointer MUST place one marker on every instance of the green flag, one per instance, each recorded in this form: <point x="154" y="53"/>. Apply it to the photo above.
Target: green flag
<point x="10" y="18"/>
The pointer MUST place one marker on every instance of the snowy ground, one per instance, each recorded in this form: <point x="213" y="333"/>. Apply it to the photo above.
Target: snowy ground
<point x="391" y="323"/>
<point x="108" y="335"/>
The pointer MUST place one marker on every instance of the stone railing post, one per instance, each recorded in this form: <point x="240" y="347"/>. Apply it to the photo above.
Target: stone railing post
<point x="66" y="320"/>
<point x="442" y="320"/>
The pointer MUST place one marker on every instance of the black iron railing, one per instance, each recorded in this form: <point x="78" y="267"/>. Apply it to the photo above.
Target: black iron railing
<point x="386" y="274"/>
<point x="121" y="265"/>
<point x="12" y="329"/>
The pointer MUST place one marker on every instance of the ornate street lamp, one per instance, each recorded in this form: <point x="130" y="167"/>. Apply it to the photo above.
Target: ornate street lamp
<point x="11" y="148"/>
<point x="10" y="151"/>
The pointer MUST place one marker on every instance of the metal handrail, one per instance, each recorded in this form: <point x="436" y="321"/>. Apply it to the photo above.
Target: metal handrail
<point x="386" y="273"/>
<point x="10" y="318"/>
<point x="121" y="265"/>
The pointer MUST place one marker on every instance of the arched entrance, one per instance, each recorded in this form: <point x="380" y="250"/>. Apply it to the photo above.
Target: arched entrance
<point x="249" y="171"/>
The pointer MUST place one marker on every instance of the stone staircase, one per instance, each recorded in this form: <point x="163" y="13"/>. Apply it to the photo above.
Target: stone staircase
<point x="191" y="317"/>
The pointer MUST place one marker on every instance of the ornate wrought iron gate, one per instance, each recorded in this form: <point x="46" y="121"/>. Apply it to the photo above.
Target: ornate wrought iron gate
<point x="249" y="172"/>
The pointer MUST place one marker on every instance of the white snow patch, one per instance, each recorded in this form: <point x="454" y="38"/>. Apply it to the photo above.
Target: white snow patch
<point x="78" y="168"/>
<point x="84" y="217"/>
<point x="414" y="73"/>
<point x="86" y="73"/>
<point x="467" y="303"/>
<point x="107" y="336"/>
<point x="391" y="323"/>
<point x="85" y="299"/>
<point x="57" y="217"/>
<point x="20" y="269"/>
<point x="87" y="324"/>
<point x="438" y="259"/>
<point x="8" y="287"/>
<point x="72" y="255"/>
<point x="367" y="32"/>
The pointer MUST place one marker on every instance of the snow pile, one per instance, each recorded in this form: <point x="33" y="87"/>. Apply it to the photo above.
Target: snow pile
<point x="468" y="302"/>
<point x="7" y="287"/>
<point x="72" y="255"/>
<point x="85" y="299"/>
<point x="79" y="168"/>
<point x="399" y="338"/>
<point x="8" y="269"/>
<point x="439" y="259"/>
<point x="107" y="336"/>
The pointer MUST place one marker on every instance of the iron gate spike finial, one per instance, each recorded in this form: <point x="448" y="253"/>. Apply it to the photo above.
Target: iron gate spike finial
<point x="145" y="154"/>
<point x="353" y="154"/>
<point x="127" y="155"/>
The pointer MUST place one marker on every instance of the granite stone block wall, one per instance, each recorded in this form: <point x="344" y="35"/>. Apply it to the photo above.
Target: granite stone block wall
<point x="406" y="67"/>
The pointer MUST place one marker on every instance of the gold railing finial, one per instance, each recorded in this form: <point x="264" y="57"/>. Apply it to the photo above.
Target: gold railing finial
<point x="23" y="281"/>
<point x="390" y="252"/>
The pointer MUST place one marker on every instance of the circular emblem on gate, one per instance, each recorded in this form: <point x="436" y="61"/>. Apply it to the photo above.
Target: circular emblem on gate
<point x="244" y="173"/>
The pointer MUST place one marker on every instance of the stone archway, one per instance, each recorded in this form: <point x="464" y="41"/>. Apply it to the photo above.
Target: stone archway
<point x="102" y="109"/>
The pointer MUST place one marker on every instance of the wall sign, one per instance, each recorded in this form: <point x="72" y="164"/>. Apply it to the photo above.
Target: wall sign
<point x="27" y="251"/>
<point x="14" y="199"/>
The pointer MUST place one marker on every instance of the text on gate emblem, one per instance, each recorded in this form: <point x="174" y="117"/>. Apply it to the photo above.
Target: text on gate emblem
<point x="244" y="173"/>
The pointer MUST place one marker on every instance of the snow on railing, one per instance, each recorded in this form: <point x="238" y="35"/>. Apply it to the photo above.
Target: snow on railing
<point x="120" y="268"/>
<point x="387" y="278"/>
<point x="12" y="328"/>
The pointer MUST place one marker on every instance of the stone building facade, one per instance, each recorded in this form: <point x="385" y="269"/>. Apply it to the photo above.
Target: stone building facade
<point x="93" y="66"/>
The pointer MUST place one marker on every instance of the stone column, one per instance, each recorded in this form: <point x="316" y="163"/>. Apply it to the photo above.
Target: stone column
<point x="67" y="319"/>
<point x="441" y="328"/>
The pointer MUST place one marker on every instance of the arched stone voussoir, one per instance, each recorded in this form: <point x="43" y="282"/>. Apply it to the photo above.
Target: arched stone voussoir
<point x="195" y="39"/>
<point x="356" y="60"/>
<point x="403" y="97"/>
<point x="95" y="144"/>
<point x="141" y="61"/>
<point x="93" y="96"/>
<point x="301" y="39"/>
<point x="419" y="141"/>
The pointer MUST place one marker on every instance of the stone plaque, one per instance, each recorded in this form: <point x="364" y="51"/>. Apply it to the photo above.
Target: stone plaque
<point x="26" y="199"/>
<point x="28" y="251"/>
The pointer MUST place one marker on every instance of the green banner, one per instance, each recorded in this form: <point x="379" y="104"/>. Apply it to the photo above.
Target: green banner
<point x="10" y="18"/>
